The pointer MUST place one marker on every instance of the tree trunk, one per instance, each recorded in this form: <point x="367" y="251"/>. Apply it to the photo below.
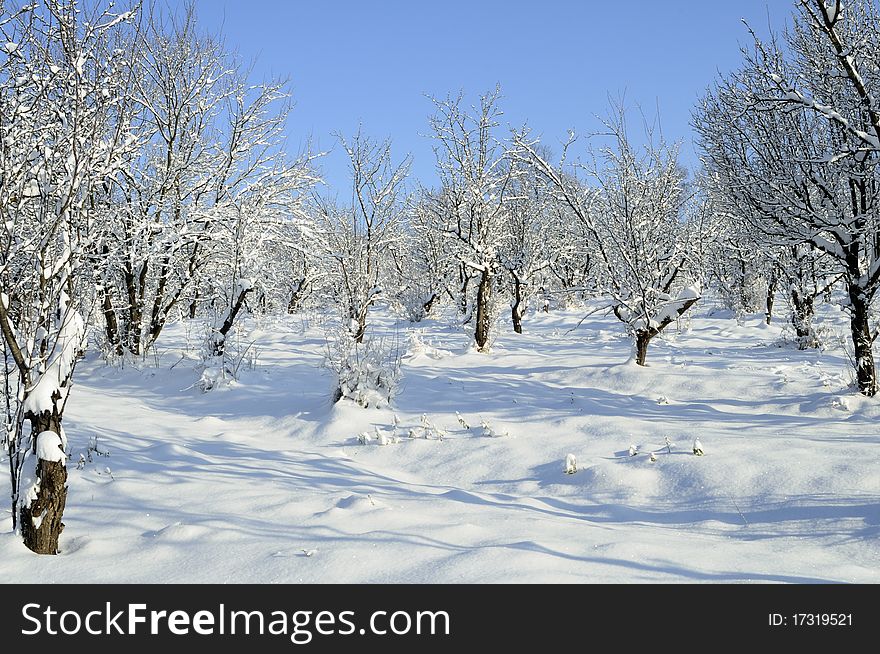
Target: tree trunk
<point x="463" y="297"/>
<point x="771" y="296"/>
<point x="644" y="336"/>
<point x="194" y="305"/>
<point x="135" y="316"/>
<point x="518" y="308"/>
<point x="427" y="306"/>
<point x="226" y="327"/>
<point x="40" y="522"/>
<point x="484" y="311"/>
<point x="802" y="319"/>
<point x="642" y="340"/>
<point x="111" y="325"/>
<point x="861" y="337"/>
<point x="744" y="300"/>
<point x="296" y="295"/>
<point x="359" y="318"/>
<point x="362" y="329"/>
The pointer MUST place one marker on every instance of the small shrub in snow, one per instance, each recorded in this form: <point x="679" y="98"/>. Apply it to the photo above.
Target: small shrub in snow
<point x="490" y="432"/>
<point x="219" y="369"/>
<point x="653" y="457"/>
<point x="95" y="447"/>
<point x="384" y="438"/>
<point x="430" y="430"/>
<point x="698" y="447"/>
<point x="669" y="445"/>
<point x="367" y="373"/>
<point x="633" y="450"/>
<point x="571" y="464"/>
<point x="461" y="421"/>
<point x="816" y="338"/>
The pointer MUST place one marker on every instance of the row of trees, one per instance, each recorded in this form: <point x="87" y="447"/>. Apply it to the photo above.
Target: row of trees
<point x="140" y="171"/>
<point x="790" y="145"/>
<point x="143" y="178"/>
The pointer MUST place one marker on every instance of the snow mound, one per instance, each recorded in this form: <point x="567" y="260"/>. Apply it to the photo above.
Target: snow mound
<point x="356" y="503"/>
<point x="179" y="533"/>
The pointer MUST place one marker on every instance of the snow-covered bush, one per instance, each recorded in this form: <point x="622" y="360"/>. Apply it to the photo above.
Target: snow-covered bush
<point x="490" y="431"/>
<point x="215" y="369"/>
<point x="367" y="373"/>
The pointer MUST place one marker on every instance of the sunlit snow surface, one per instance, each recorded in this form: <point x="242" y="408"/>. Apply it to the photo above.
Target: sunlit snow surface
<point x="264" y="480"/>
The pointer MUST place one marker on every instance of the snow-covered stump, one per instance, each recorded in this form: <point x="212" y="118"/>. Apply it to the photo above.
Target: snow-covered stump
<point x="43" y="506"/>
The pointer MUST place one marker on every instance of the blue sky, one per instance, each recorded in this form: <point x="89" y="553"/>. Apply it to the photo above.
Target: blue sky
<point x="557" y="61"/>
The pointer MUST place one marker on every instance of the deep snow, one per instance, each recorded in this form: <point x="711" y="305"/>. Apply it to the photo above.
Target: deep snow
<point x="264" y="480"/>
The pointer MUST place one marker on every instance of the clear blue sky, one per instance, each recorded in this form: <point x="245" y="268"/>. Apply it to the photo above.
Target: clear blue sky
<point x="371" y="63"/>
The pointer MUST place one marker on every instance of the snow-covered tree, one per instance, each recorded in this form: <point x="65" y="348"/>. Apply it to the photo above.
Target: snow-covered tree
<point x="470" y="208"/>
<point x="183" y="87"/>
<point x="260" y="192"/>
<point x="645" y="228"/>
<point x="423" y="267"/>
<point x="743" y="271"/>
<point x="356" y="239"/>
<point x="526" y="247"/>
<point x="807" y="275"/>
<point x="63" y="135"/>
<point x="793" y="139"/>
<point x="573" y="274"/>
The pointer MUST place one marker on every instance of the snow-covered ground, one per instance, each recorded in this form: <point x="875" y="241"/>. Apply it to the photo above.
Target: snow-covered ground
<point x="264" y="480"/>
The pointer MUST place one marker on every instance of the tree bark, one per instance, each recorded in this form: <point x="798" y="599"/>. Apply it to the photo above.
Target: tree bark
<point x="463" y="295"/>
<point x="362" y="329"/>
<point x="134" y="326"/>
<point x="296" y="295"/>
<point x="427" y="306"/>
<point x="194" y="305"/>
<point x="48" y="508"/>
<point x="517" y="310"/>
<point x="744" y="299"/>
<point x="861" y="337"/>
<point x="226" y="327"/>
<point x="771" y="297"/>
<point x="111" y="324"/>
<point x="643" y="338"/>
<point x="484" y="311"/>
<point x="802" y="319"/>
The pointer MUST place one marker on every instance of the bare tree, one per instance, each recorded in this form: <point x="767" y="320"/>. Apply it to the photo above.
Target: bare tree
<point x="643" y="226"/>
<point x="62" y="142"/>
<point x="471" y="206"/>
<point x="793" y="139"/>
<point x="527" y="246"/>
<point x="357" y="239"/>
<point x="184" y="86"/>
